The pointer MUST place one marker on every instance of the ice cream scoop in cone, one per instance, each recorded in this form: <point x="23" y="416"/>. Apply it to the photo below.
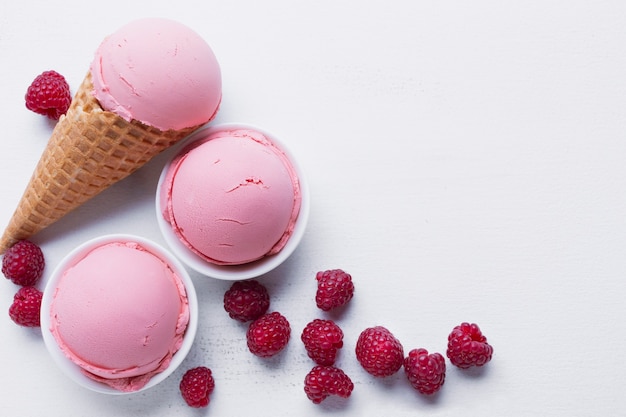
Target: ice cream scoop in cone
<point x="89" y="150"/>
<point x="91" y="147"/>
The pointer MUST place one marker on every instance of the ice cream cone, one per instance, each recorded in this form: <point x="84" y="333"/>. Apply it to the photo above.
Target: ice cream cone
<point x="89" y="150"/>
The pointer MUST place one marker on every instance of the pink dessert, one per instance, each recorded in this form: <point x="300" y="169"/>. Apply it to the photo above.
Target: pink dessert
<point x="119" y="312"/>
<point x="232" y="196"/>
<point x="159" y="72"/>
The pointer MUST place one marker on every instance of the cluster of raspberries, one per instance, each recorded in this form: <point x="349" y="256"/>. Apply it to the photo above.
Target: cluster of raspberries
<point x="381" y="354"/>
<point x="23" y="264"/>
<point x="269" y="333"/>
<point x="378" y="351"/>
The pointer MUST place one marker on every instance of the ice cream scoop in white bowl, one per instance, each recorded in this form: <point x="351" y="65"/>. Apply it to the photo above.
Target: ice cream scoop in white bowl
<point x="232" y="203"/>
<point x="119" y="314"/>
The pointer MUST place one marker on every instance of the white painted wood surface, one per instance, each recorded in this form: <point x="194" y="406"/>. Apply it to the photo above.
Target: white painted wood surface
<point x="466" y="163"/>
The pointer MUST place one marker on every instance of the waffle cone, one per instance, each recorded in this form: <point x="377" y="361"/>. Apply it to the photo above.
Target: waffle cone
<point x="89" y="150"/>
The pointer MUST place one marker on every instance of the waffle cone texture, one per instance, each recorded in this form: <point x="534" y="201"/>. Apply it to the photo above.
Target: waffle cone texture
<point x="89" y="150"/>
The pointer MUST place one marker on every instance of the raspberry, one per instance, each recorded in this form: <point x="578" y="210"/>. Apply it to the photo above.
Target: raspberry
<point x="468" y="347"/>
<point x="334" y="289"/>
<point x="23" y="263"/>
<point x="196" y="385"/>
<point x="425" y="372"/>
<point x="379" y="352"/>
<point x="246" y="300"/>
<point x="322" y="339"/>
<point x="268" y="335"/>
<point x="323" y="381"/>
<point x="49" y="94"/>
<point x="26" y="306"/>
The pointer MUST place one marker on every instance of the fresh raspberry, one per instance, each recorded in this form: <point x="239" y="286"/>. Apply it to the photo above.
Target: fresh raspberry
<point x="26" y="306"/>
<point x="324" y="381"/>
<point x="246" y="300"/>
<point x="334" y="289"/>
<point x="379" y="352"/>
<point x="23" y="263"/>
<point x="322" y="339"/>
<point x="426" y="372"/>
<point x="196" y="385"/>
<point x="468" y="347"/>
<point x="268" y="335"/>
<point x="49" y="94"/>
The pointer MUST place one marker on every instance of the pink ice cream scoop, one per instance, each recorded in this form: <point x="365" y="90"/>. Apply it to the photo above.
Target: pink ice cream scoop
<point x="119" y="312"/>
<point x="159" y="72"/>
<point x="232" y="196"/>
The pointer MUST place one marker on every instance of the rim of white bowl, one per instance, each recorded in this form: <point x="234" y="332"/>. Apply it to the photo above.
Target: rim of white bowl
<point x="252" y="269"/>
<point x="72" y="370"/>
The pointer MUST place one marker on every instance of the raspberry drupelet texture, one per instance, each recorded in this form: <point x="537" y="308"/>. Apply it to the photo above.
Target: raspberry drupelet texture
<point x="468" y="347"/>
<point x="334" y="289"/>
<point x="23" y="263"/>
<point x="425" y="372"/>
<point x="49" y="94"/>
<point x="379" y="352"/>
<point x="26" y="307"/>
<point x="322" y="339"/>
<point x="324" y="381"/>
<point x="268" y="335"/>
<point x="246" y="300"/>
<point x="196" y="386"/>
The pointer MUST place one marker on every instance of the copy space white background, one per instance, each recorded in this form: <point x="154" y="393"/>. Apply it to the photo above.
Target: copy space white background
<point x="466" y="162"/>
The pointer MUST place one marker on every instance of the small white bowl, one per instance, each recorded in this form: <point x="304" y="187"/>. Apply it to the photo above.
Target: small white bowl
<point x="74" y="371"/>
<point x="250" y="269"/>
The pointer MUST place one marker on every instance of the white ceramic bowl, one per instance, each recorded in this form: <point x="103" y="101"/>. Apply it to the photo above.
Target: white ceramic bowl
<point x="70" y="368"/>
<point x="247" y="270"/>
